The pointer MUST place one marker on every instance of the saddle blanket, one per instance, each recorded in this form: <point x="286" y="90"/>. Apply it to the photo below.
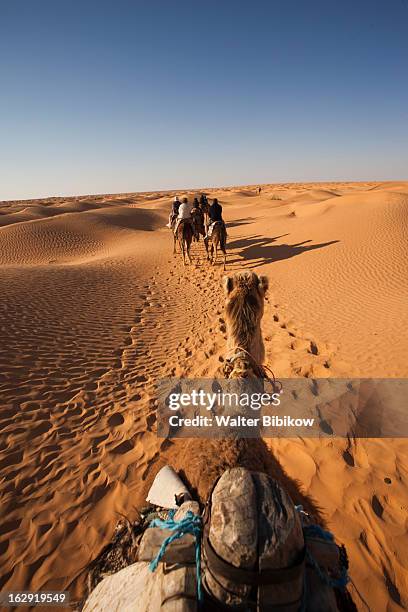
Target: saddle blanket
<point x="211" y="228"/>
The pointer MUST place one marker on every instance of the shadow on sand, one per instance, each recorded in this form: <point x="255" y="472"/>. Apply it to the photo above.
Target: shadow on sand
<point x="238" y="222"/>
<point x="255" y="248"/>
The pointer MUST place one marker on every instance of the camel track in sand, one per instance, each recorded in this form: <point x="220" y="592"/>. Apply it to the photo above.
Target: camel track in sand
<point x="79" y="397"/>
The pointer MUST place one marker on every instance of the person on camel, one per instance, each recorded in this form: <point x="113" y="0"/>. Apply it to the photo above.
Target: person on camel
<point x="215" y="216"/>
<point x="174" y="212"/>
<point x="197" y="216"/>
<point x="184" y="214"/>
<point x="203" y="202"/>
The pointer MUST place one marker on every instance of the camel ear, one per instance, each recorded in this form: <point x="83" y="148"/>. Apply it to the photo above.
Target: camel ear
<point x="264" y="283"/>
<point x="228" y="284"/>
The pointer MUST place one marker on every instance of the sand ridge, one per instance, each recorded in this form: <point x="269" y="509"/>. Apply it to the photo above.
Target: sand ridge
<point x="95" y="309"/>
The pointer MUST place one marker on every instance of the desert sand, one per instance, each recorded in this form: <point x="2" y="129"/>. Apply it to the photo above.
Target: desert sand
<point x="95" y="308"/>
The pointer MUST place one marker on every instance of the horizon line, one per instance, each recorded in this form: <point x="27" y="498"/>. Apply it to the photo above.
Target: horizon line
<point x="200" y="189"/>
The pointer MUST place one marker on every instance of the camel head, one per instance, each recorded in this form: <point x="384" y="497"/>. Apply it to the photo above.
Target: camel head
<point x="245" y="295"/>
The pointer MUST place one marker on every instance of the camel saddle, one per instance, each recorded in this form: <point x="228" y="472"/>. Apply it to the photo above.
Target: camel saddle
<point x="257" y="554"/>
<point x="180" y="222"/>
<point x="212" y="226"/>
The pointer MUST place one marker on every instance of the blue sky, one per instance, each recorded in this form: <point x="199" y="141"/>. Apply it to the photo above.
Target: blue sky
<point x="118" y="96"/>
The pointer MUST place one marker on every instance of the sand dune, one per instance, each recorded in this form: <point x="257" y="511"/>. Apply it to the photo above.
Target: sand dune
<point x="95" y="309"/>
<point x="73" y="237"/>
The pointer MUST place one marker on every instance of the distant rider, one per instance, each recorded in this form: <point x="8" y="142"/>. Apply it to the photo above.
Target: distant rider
<point x="197" y="216"/>
<point x="184" y="214"/>
<point x="203" y="202"/>
<point x="215" y="215"/>
<point x="174" y="211"/>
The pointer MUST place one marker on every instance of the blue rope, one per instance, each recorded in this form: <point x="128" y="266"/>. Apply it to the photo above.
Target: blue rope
<point x="315" y="531"/>
<point x="192" y="524"/>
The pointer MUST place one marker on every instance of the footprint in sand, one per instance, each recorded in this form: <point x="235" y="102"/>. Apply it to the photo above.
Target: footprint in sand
<point x="116" y="419"/>
<point x="150" y="421"/>
<point x="377" y="506"/>
<point x="124" y="447"/>
<point x="392" y="588"/>
<point x="348" y="458"/>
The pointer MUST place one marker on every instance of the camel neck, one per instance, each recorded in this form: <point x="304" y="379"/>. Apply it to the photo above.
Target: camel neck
<point x="253" y="345"/>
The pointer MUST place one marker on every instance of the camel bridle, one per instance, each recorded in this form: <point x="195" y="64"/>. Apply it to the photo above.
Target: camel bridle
<point x="242" y="357"/>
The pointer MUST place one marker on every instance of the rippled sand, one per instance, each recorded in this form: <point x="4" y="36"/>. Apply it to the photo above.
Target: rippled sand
<point x="95" y="308"/>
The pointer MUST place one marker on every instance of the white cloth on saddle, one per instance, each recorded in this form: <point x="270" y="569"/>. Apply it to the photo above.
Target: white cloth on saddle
<point x="184" y="211"/>
<point x="211" y="227"/>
